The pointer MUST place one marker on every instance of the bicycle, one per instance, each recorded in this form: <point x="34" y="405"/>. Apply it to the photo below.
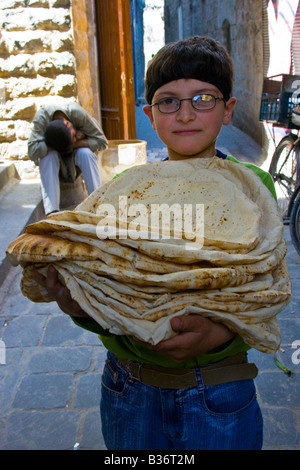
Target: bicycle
<point x="279" y="98"/>
<point x="294" y="209"/>
<point x="285" y="170"/>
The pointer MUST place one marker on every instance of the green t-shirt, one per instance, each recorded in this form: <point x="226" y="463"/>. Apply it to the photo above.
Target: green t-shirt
<point x="126" y="347"/>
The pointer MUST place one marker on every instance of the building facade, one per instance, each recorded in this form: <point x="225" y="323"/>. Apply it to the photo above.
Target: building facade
<point x="53" y="50"/>
<point x="46" y="54"/>
<point x="242" y="27"/>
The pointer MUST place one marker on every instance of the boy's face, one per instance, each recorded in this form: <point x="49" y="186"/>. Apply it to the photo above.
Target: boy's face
<point x="189" y="132"/>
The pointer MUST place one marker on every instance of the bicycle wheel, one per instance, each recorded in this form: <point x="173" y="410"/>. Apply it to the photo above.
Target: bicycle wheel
<point x="295" y="221"/>
<point x="283" y="169"/>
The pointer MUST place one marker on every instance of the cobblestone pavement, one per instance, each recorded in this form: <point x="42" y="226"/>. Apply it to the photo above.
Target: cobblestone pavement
<point x="50" y="372"/>
<point x="278" y="393"/>
<point x="50" y="384"/>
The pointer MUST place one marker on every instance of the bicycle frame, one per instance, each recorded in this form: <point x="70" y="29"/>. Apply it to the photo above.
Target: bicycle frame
<point x="281" y="176"/>
<point x="293" y="197"/>
<point x="294" y="208"/>
<point x="284" y="180"/>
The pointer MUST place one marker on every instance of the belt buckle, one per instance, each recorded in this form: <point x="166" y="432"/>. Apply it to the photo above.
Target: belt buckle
<point x="136" y="375"/>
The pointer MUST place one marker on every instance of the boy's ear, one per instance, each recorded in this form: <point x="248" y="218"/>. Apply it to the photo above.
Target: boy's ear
<point x="229" y="107"/>
<point x="148" y="111"/>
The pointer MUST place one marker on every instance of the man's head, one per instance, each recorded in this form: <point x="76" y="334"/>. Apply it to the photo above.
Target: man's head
<point x="59" y="137"/>
<point x="199" y="57"/>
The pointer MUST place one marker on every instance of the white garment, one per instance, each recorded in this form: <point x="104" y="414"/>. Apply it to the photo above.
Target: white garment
<point x="49" y="166"/>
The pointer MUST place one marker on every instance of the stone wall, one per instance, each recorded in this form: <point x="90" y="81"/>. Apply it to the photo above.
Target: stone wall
<point x="238" y="24"/>
<point x="44" y="57"/>
<point x="248" y="55"/>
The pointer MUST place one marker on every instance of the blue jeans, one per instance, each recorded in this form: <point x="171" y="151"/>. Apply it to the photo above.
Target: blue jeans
<point x="139" y="417"/>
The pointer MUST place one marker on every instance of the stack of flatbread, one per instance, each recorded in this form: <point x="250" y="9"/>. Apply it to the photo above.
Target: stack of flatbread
<point x="200" y="236"/>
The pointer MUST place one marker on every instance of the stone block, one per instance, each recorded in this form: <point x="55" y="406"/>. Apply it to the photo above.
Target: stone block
<point x="38" y="3"/>
<point x="42" y="391"/>
<point x="7" y="131"/>
<point x="61" y="359"/>
<point x="23" y="130"/>
<point x="27" y="87"/>
<point x="65" y="85"/>
<point x="23" y="108"/>
<point x="50" y="99"/>
<point x="62" y="41"/>
<point x="280" y="428"/>
<point x="92" y="436"/>
<point x="88" y="391"/>
<point x="15" y="19"/>
<point x="54" y="19"/>
<point x="54" y="63"/>
<point x="24" y="331"/>
<point x="23" y="19"/>
<point x="16" y="150"/>
<point x="9" y="378"/>
<point x="21" y="65"/>
<point x="61" y="330"/>
<point x="27" y="42"/>
<point x="59" y="3"/>
<point x="3" y="47"/>
<point x="33" y="42"/>
<point x="7" y="4"/>
<point x="38" y="430"/>
<point x="277" y="387"/>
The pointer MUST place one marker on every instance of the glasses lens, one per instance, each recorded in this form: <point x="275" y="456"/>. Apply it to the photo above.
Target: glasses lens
<point x="168" y="105"/>
<point x="203" y="101"/>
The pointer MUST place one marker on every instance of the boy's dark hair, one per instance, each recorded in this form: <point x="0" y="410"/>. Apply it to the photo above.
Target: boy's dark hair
<point x="198" y="57"/>
<point x="58" y="137"/>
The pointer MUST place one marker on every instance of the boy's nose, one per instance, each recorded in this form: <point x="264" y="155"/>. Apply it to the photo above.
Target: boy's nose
<point x="186" y="112"/>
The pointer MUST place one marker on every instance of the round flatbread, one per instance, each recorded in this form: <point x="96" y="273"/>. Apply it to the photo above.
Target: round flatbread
<point x="201" y="236"/>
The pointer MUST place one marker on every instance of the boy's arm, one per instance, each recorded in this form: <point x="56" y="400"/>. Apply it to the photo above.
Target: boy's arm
<point x="264" y="175"/>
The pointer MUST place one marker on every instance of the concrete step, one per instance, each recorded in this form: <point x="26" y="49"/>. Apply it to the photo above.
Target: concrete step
<point x="20" y="205"/>
<point x="7" y="172"/>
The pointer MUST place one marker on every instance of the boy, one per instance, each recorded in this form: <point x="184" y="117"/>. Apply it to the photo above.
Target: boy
<point x="188" y="90"/>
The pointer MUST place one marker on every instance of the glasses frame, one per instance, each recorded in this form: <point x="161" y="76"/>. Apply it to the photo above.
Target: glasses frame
<point x="216" y="98"/>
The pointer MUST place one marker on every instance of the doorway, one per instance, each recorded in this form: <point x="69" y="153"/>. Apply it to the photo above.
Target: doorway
<point x="114" y="43"/>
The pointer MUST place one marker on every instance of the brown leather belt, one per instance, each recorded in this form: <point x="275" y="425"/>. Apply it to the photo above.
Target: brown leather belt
<point x="228" y="370"/>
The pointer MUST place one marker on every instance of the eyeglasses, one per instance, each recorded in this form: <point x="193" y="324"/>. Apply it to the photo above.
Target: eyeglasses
<point x="201" y="102"/>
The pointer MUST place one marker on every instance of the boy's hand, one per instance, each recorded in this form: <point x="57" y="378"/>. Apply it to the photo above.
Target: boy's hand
<point x="60" y="293"/>
<point x="196" y="335"/>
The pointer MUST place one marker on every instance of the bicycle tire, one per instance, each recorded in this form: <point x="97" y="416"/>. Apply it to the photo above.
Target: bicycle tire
<point x="283" y="169"/>
<point x="295" y="221"/>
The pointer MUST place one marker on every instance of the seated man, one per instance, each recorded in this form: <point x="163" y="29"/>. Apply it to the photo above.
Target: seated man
<point x="65" y="135"/>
